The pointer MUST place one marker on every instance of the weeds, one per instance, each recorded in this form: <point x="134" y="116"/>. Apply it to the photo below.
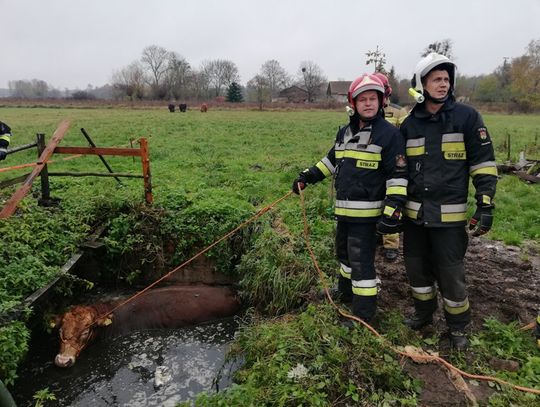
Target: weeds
<point x="505" y="342"/>
<point x="309" y="359"/>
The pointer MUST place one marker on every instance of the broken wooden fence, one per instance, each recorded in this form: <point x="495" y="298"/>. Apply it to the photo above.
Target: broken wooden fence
<point x="46" y="151"/>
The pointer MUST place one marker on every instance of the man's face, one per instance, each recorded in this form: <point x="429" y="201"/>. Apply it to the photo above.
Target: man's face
<point x="367" y="104"/>
<point x="437" y="83"/>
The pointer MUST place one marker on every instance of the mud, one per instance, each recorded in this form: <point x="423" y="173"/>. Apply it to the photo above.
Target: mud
<point x="502" y="282"/>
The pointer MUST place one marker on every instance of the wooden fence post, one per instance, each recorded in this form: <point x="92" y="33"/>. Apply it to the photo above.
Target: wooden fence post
<point x="44" y="174"/>
<point x="145" y="159"/>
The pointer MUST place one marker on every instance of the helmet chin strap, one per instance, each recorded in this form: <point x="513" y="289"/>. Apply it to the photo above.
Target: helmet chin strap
<point x="366" y="119"/>
<point x="438" y="101"/>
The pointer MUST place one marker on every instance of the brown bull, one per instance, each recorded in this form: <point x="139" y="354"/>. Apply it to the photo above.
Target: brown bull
<point x="169" y="307"/>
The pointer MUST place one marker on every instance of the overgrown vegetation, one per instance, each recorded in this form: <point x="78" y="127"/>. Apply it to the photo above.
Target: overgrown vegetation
<point x="211" y="172"/>
<point x="309" y="359"/>
<point x="508" y="343"/>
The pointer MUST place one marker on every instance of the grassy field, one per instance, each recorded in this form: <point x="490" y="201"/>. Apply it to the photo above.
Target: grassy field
<point x="247" y="154"/>
<point x="209" y="172"/>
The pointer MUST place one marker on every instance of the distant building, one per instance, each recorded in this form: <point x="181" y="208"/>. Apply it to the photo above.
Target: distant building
<point x="337" y="90"/>
<point x="293" y="94"/>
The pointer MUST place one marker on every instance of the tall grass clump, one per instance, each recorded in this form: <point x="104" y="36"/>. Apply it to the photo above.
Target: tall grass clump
<point x="309" y="359"/>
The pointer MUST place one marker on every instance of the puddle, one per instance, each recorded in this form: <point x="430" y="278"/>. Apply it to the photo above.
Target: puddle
<point x="145" y="368"/>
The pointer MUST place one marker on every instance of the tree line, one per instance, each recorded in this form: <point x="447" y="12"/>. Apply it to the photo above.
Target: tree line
<point x="160" y="74"/>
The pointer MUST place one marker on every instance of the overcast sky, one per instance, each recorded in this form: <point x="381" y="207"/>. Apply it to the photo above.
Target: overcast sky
<point x="73" y="43"/>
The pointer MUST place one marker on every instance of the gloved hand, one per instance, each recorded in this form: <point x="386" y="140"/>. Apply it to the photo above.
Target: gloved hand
<point x="481" y="221"/>
<point x="302" y="180"/>
<point x="3" y="153"/>
<point x="390" y="222"/>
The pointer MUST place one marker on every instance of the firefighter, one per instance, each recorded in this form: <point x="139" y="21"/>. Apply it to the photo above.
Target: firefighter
<point x="369" y="166"/>
<point x="446" y="143"/>
<point x="5" y="136"/>
<point x="390" y="242"/>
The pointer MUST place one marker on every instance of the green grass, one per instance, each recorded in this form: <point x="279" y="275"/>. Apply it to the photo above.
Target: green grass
<point x="524" y="132"/>
<point x="249" y="155"/>
<point x="210" y="172"/>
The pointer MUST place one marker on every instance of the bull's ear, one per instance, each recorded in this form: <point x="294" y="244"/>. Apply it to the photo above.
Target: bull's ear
<point x="105" y="321"/>
<point x="54" y="322"/>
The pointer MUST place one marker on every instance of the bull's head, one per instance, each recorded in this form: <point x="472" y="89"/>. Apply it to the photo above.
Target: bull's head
<point x="77" y="328"/>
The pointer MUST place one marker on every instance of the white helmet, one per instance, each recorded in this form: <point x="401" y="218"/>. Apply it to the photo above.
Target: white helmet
<point x="429" y="62"/>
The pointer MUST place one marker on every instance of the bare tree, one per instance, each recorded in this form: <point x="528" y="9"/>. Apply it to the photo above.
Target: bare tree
<point x="311" y="75"/>
<point x="377" y="58"/>
<point x="177" y="76"/>
<point x="155" y="59"/>
<point x="221" y="73"/>
<point x="276" y="77"/>
<point x="259" y="90"/>
<point x="199" y="85"/>
<point x="129" y="81"/>
<point x="443" y="47"/>
<point x="29" y="89"/>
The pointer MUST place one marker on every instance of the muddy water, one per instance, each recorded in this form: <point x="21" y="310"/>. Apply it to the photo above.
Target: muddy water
<point x="145" y="368"/>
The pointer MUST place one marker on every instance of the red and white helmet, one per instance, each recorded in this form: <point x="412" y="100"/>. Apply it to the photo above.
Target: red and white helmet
<point x="364" y="83"/>
<point x="386" y="83"/>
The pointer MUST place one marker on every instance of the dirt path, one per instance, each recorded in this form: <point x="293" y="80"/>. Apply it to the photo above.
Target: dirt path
<point x="503" y="282"/>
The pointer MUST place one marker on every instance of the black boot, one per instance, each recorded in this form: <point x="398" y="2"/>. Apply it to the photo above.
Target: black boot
<point x="348" y="323"/>
<point x="416" y="322"/>
<point x="390" y="255"/>
<point x="458" y="340"/>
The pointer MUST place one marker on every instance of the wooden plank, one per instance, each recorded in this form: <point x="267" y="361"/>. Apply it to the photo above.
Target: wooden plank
<point x="11" y="204"/>
<point x="13" y="181"/>
<point x="527" y="177"/>
<point x="98" y="151"/>
<point x="91" y="142"/>
<point x="66" y="269"/>
<point x="21" y="148"/>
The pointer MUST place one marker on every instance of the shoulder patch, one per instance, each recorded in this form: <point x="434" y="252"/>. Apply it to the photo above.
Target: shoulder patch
<point x="483" y="134"/>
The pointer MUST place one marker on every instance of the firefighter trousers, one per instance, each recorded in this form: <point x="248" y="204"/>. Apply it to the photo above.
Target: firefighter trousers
<point x="434" y="256"/>
<point x="355" y="250"/>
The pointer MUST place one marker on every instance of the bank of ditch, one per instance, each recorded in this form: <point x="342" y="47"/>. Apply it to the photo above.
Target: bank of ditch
<point x="294" y="347"/>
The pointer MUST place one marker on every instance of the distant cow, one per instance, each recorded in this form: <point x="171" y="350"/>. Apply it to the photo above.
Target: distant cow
<point x="204" y="108"/>
<point x="169" y="307"/>
<point x="171" y="108"/>
<point x="182" y="107"/>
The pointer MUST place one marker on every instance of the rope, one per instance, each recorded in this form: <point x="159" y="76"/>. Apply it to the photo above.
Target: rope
<point x="414" y="357"/>
<point x="224" y="237"/>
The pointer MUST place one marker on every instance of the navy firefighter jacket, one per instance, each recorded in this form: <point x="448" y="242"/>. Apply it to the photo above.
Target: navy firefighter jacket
<point x="444" y="150"/>
<point x="370" y="171"/>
